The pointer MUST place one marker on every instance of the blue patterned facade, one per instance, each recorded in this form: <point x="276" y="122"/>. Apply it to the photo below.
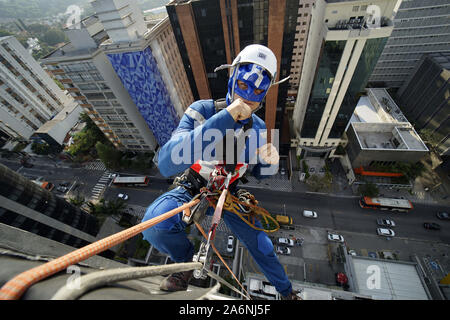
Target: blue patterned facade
<point x="139" y="74"/>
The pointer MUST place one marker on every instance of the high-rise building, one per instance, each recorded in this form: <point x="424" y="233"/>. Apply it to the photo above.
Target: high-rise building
<point x="299" y="48"/>
<point x="128" y="77"/>
<point x="419" y="27"/>
<point x="424" y="98"/>
<point x="28" y="206"/>
<point x="210" y="33"/>
<point x="28" y="96"/>
<point x="345" y="41"/>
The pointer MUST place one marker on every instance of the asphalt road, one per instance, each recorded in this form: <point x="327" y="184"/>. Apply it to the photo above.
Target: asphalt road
<point x="335" y="213"/>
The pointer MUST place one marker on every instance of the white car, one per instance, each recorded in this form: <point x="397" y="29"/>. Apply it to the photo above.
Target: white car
<point x="386" y="223"/>
<point x="385" y="232"/>
<point x="283" y="250"/>
<point x="286" y="242"/>
<point x="230" y="244"/>
<point x="122" y="196"/>
<point x="310" y="214"/>
<point x="335" y="237"/>
<point x="352" y="252"/>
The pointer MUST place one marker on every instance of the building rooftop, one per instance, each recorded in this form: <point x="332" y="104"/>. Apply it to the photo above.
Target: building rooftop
<point x="21" y="250"/>
<point x="441" y="58"/>
<point x="379" y="124"/>
<point x="307" y="291"/>
<point x="397" y="280"/>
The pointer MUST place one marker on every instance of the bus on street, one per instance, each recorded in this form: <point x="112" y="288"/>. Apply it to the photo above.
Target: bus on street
<point x="400" y="205"/>
<point x="140" y="181"/>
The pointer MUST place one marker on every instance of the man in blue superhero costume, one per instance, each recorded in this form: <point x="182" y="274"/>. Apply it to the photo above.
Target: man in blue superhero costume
<point x="253" y="72"/>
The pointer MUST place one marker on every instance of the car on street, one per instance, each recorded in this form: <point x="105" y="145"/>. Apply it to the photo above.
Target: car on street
<point x="310" y="214"/>
<point x="283" y="250"/>
<point x="230" y="244"/>
<point x="431" y="226"/>
<point x="299" y="241"/>
<point x="286" y="242"/>
<point x="62" y="189"/>
<point x="352" y="252"/>
<point x="385" y="232"/>
<point x="335" y="237"/>
<point x="443" y="215"/>
<point x="122" y="196"/>
<point x="112" y="175"/>
<point x="386" y="222"/>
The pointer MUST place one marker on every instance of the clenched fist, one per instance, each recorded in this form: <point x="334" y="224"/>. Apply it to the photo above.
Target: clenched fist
<point x="269" y="154"/>
<point x="239" y="110"/>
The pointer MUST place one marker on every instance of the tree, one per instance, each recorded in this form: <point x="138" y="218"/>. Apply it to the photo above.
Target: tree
<point x="86" y="139"/>
<point x="103" y="209"/>
<point x="108" y="155"/>
<point x="317" y="183"/>
<point x="40" y="148"/>
<point x="77" y="201"/>
<point x="368" y="189"/>
<point x="53" y="37"/>
<point x="429" y="138"/>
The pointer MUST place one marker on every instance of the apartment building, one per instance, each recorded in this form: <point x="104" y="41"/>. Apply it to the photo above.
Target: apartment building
<point x="299" y="48"/>
<point x="116" y="67"/>
<point x="28" y="96"/>
<point x="345" y="40"/>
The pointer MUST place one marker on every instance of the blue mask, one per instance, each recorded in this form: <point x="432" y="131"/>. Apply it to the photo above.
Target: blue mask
<point x="255" y="77"/>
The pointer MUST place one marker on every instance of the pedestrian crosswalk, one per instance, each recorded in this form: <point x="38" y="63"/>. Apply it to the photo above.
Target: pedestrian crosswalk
<point x="99" y="188"/>
<point x="136" y="211"/>
<point x="272" y="183"/>
<point x="95" y="165"/>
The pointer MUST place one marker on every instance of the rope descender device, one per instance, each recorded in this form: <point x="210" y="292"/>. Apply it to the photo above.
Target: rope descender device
<point x="204" y="253"/>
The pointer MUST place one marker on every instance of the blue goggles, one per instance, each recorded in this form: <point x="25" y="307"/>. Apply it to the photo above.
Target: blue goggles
<point x="254" y="82"/>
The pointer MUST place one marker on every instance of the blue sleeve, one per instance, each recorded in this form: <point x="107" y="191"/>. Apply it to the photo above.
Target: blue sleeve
<point x="180" y="152"/>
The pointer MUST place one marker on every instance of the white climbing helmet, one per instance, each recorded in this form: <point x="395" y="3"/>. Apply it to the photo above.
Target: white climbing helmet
<point x="253" y="54"/>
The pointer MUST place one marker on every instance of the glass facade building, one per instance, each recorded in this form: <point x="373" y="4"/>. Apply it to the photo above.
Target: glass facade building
<point x="216" y="23"/>
<point x="366" y="63"/>
<point x="425" y="98"/>
<point x="253" y="22"/>
<point x="323" y="82"/>
<point x="210" y="33"/>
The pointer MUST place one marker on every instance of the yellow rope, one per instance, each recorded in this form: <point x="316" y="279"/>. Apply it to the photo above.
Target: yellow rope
<point x="231" y="204"/>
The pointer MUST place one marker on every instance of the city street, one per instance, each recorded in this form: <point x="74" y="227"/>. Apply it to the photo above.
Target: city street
<point x="312" y="262"/>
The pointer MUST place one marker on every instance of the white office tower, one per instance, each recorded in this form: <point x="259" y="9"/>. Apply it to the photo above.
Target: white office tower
<point x="28" y="96"/>
<point x="345" y="40"/>
<point x="420" y="27"/>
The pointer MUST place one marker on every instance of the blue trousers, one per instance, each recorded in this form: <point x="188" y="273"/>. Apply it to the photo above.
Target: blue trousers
<point x="170" y="237"/>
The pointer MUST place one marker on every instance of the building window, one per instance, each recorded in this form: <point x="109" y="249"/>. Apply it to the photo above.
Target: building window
<point x="110" y="95"/>
<point x="355" y="8"/>
<point x="87" y="86"/>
